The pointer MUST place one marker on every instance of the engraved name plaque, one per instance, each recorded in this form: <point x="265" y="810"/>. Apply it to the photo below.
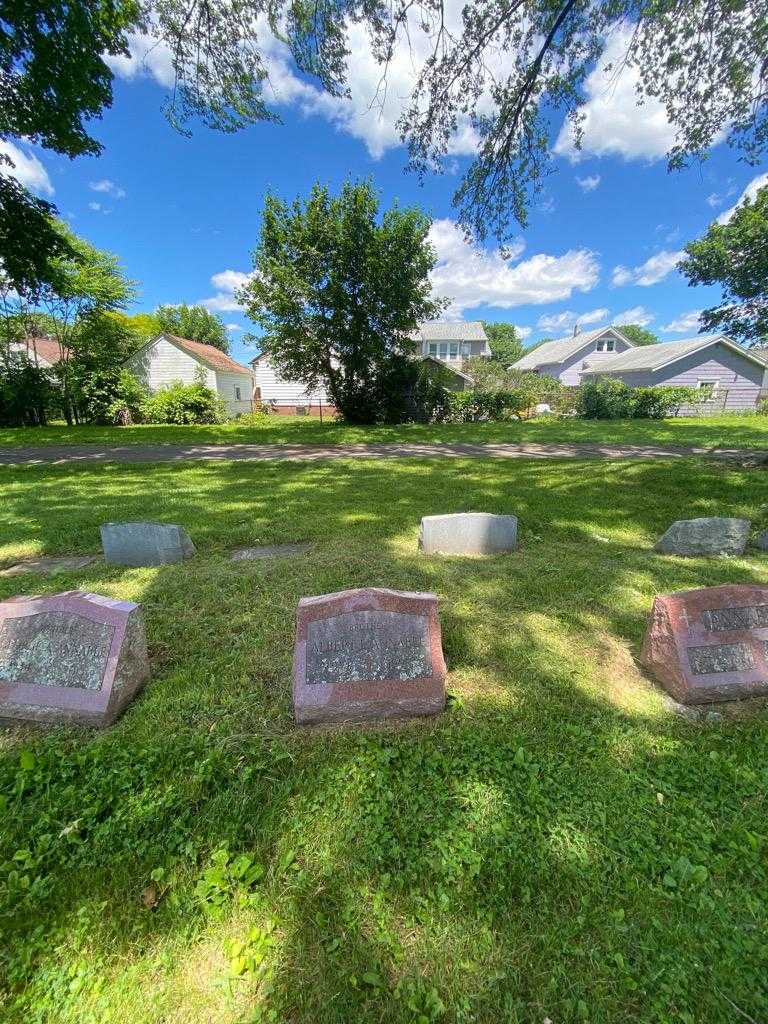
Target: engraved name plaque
<point x="367" y="654"/>
<point x="710" y="644"/>
<point x="71" y="657"/>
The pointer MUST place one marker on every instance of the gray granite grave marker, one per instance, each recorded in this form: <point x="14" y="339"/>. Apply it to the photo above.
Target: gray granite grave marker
<point x="139" y="544"/>
<point x="468" y="533"/>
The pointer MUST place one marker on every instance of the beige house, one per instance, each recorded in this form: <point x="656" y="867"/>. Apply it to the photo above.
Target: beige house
<point x="169" y="358"/>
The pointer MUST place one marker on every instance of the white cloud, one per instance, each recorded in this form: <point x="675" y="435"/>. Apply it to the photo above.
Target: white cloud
<point x="524" y="332"/>
<point x="686" y="323"/>
<point x="636" y="315"/>
<point x="478" y="277"/>
<point x="613" y="123"/>
<point x="96" y="207"/>
<point x="564" y="322"/>
<point x="27" y="168"/>
<point x="108" y="187"/>
<point x="588" y="184"/>
<point x="374" y="106"/>
<point x="651" y="272"/>
<point x="147" y="58"/>
<point x="233" y="327"/>
<point x="226" y="282"/>
<point x="749" y="193"/>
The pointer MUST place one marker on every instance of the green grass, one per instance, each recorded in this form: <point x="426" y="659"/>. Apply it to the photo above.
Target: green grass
<point x="557" y="845"/>
<point x="707" y="432"/>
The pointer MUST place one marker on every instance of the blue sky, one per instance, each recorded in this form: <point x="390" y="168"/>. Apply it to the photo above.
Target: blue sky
<point x="183" y="213"/>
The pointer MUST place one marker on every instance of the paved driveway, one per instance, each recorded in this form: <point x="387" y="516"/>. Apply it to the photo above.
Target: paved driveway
<point x="93" y="453"/>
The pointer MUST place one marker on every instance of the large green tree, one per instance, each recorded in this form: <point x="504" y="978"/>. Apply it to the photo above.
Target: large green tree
<point x="339" y="289"/>
<point x="638" y="335"/>
<point x="74" y="309"/>
<point x="734" y="255"/>
<point x="193" y="322"/>
<point x="506" y="345"/>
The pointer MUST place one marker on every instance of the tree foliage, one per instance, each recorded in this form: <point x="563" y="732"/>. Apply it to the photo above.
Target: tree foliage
<point x="506" y="345"/>
<point x="193" y="322"/>
<point x="339" y="290"/>
<point x="500" y="68"/>
<point x="638" y="335"/>
<point x="53" y="78"/>
<point x="735" y="256"/>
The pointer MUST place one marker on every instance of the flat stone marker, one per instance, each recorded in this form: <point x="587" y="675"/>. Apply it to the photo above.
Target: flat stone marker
<point x="269" y="551"/>
<point x="709" y="644"/>
<point x="70" y="658"/>
<point x="367" y="654"/>
<point x="138" y="544"/>
<point x="761" y="540"/>
<point x="468" y="533"/>
<point x="49" y="566"/>
<point x="710" y="535"/>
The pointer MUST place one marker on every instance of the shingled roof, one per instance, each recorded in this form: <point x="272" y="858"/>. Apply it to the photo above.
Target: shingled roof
<point x="459" y="330"/>
<point x="654" y="357"/>
<point x="560" y="350"/>
<point x="208" y="354"/>
<point x="47" y="349"/>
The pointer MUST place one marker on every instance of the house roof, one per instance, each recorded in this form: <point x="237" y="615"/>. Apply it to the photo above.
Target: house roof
<point x="459" y="330"/>
<point x="47" y="349"/>
<point x="451" y="369"/>
<point x="208" y="354"/>
<point x="562" y="349"/>
<point x="654" y="357"/>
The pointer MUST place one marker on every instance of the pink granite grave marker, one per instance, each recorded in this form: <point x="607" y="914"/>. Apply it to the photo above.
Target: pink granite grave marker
<point x="367" y="654"/>
<point x="70" y="657"/>
<point x="710" y="644"/>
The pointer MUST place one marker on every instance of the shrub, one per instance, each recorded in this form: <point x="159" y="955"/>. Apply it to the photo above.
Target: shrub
<point x="26" y="394"/>
<point x="258" y="418"/>
<point x="609" y="399"/>
<point x="109" y="396"/>
<point x="184" y="403"/>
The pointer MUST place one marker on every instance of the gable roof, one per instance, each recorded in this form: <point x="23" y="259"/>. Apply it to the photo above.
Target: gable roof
<point x="450" y="369"/>
<point x="562" y="349"/>
<point x="47" y="349"/>
<point x="458" y="330"/>
<point x="207" y="354"/>
<point x="654" y="357"/>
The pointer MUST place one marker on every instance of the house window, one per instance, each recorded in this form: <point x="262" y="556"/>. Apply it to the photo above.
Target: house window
<point x="454" y="350"/>
<point x="711" y="385"/>
<point x="237" y="395"/>
<point x="466" y="348"/>
<point x="443" y="349"/>
<point x="433" y="348"/>
<point x="606" y="345"/>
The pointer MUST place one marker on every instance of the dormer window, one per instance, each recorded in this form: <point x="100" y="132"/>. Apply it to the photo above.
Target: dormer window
<point x="606" y="345"/>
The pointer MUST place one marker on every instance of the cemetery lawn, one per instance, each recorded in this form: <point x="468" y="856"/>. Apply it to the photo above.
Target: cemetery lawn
<point x="731" y="431"/>
<point x="557" y="846"/>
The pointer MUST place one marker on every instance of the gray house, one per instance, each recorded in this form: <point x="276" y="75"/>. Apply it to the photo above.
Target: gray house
<point x="567" y="358"/>
<point x="453" y="342"/>
<point x="736" y="377"/>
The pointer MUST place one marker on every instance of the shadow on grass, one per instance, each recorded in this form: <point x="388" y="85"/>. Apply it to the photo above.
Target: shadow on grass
<point x="520" y="857"/>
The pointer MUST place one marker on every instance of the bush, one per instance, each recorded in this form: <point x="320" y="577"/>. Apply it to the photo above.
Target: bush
<point x="26" y="394"/>
<point x="183" y="404"/>
<point x="609" y="399"/>
<point x="110" y="396"/>
<point x="257" y="418"/>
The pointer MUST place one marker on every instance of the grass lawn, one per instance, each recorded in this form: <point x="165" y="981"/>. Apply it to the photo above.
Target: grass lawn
<point x="707" y="432"/>
<point x="557" y="845"/>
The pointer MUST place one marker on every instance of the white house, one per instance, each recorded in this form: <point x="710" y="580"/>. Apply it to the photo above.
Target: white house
<point x="169" y="358"/>
<point x="448" y="344"/>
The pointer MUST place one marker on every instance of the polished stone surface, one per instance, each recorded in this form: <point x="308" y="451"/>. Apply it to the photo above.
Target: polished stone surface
<point x="367" y="654"/>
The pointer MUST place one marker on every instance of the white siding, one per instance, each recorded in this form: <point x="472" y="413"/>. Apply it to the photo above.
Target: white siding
<point x="226" y="382"/>
<point x="162" y="363"/>
<point x="476" y="348"/>
<point x="276" y="389"/>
